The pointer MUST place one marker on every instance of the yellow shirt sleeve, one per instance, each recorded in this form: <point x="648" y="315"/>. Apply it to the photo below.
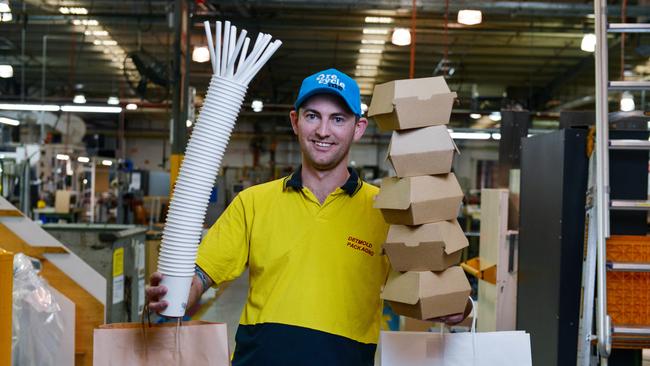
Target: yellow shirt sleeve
<point x="223" y="252"/>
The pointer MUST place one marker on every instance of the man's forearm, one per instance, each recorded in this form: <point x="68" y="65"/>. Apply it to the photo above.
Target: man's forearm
<point x="200" y="283"/>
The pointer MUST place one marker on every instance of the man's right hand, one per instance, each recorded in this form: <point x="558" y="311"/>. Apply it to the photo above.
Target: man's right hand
<point x="155" y="292"/>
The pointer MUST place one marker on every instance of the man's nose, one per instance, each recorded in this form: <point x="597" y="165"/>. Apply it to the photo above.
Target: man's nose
<point x="323" y="128"/>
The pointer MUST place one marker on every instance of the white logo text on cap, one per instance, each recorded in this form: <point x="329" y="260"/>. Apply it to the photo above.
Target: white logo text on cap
<point x="331" y="80"/>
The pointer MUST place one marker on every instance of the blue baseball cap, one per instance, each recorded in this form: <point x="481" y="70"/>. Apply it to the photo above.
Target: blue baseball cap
<point x="331" y="81"/>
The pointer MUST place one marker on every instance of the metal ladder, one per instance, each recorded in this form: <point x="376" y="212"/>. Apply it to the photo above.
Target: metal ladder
<point x="599" y="204"/>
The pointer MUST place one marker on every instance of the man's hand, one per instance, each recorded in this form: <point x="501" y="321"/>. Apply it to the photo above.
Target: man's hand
<point x="454" y="319"/>
<point x="154" y="292"/>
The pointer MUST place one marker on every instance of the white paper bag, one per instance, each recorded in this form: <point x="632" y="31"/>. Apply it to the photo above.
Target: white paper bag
<point x="455" y="349"/>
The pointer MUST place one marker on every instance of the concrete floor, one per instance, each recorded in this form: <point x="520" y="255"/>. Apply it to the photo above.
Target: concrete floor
<point x="228" y="307"/>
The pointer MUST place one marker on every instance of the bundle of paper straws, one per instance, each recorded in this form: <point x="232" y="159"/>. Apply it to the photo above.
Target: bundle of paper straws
<point x="233" y="68"/>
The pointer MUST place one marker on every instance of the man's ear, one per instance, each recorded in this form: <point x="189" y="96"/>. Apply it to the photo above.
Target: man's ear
<point x="360" y="128"/>
<point x="293" y="116"/>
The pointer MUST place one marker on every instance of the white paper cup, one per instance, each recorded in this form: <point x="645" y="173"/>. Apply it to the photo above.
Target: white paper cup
<point x="178" y="290"/>
<point x="175" y="273"/>
<point x="176" y="260"/>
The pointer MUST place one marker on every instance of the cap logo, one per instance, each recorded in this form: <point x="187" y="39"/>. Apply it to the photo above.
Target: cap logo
<point x="331" y="80"/>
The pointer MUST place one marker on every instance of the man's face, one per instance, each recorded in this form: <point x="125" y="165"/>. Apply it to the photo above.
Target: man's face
<point x="326" y="128"/>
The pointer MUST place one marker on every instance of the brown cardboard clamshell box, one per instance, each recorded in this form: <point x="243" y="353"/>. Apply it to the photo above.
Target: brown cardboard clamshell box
<point x="419" y="200"/>
<point x="428" y="247"/>
<point x="426" y="295"/>
<point x="411" y="103"/>
<point x="422" y="151"/>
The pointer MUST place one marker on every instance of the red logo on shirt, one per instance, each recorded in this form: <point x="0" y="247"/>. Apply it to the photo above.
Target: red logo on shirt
<point x="360" y="245"/>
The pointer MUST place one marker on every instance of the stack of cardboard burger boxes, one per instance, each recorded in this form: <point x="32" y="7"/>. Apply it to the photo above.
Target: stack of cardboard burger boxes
<point x="421" y="203"/>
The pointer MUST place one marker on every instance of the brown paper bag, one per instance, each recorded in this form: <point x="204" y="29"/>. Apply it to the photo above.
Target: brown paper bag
<point x="193" y="343"/>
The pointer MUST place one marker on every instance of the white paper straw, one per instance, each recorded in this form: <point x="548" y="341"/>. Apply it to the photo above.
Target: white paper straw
<point x="231" y="46"/>
<point x="242" y="57"/>
<point x="238" y="46"/>
<point x="263" y="60"/>
<point x="257" y="51"/>
<point x="243" y="67"/>
<point x="224" y="54"/>
<point x="208" y="34"/>
<point x="218" y="49"/>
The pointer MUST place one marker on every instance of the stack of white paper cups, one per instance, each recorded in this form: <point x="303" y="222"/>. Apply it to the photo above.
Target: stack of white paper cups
<point x="198" y="172"/>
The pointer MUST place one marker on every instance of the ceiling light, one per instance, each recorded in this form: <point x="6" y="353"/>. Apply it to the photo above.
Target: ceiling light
<point x="131" y="106"/>
<point x="366" y="67"/>
<point x="4" y="6"/>
<point x="495" y="116"/>
<point x="469" y="17"/>
<point x="364" y="108"/>
<point x="62" y="157"/>
<point x="382" y="31"/>
<point x="257" y="105"/>
<point x="371" y="50"/>
<point x="201" y="54"/>
<point x="588" y="43"/>
<point x="9" y="121"/>
<point x="73" y="10"/>
<point x="85" y="181"/>
<point x="100" y="33"/>
<point x="109" y="42"/>
<point x="401" y="37"/>
<point x="366" y="73"/>
<point x="6" y="71"/>
<point x="369" y="60"/>
<point x="496" y="136"/>
<point x="470" y="135"/>
<point x="30" y="107"/>
<point x="83" y="159"/>
<point x="90" y="109"/>
<point x="107" y="162"/>
<point x="373" y="41"/>
<point x="64" y="10"/>
<point x="627" y="102"/>
<point x="6" y="17"/>
<point x="85" y="22"/>
<point x="382" y="20"/>
<point x="475" y="115"/>
<point x="113" y="100"/>
<point x="76" y="22"/>
<point x="79" y="99"/>
<point x="188" y="123"/>
<point x="97" y="42"/>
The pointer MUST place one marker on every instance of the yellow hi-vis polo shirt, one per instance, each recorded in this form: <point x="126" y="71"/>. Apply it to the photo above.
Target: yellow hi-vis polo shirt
<point x="311" y="265"/>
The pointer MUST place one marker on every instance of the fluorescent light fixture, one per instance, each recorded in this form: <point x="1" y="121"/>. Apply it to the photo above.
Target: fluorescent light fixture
<point x="73" y="10"/>
<point x="470" y="135"/>
<point x="588" y="43"/>
<point x="85" y="181"/>
<point x="90" y="109"/>
<point x="64" y="10"/>
<point x="496" y="136"/>
<point x="113" y="100"/>
<point x="627" y="102"/>
<point x="364" y="108"/>
<point x="401" y="37"/>
<point x="201" y="54"/>
<point x="6" y="17"/>
<point x="6" y="71"/>
<point x="380" y="31"/>
<point x="257" y="105"/>
<point x="373" y="41"/>
<point x="469" y="17"/>
<point x="4" y="6"/>
<point x="30" y="107"/>
<point x="107" y="162"/>
<point x="83" y="159"/>
<point x="62" y="157"/>
<point x="100" y="33"/>
<point x="369" y="60"/>
<point x="9" y="121"/>
<point x="475" y="115"/>
<point x="131" y="106"/>
<point x="371" y="50"/>
<point x="366" y="67"/>
<point x="381" y="20"/>
<point x="188" y="123"/>
<point x="92" y="22"/>
<point x="495" y="116"/>
<point x="366" y="73"/>
<point x="109" y="42"/>
<point x="79" y="99"/>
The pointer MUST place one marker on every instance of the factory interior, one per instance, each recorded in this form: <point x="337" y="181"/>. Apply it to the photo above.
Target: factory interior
<point x="530" y="119"/>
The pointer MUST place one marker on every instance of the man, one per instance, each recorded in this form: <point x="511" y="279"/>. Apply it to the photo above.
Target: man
<point x="312" y="242"/>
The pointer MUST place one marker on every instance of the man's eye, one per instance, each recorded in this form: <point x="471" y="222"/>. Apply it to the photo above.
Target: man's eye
<point x="310" y="116"/>
<point x="339" y="119"/>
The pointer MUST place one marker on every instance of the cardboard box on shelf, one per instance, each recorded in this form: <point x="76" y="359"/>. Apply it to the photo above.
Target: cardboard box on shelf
<point x="422" y="151"/>
<point x="411" y="103"/>
<point x="62" y="201"/>
<point x="419" y="200"/>
<point x="429" y="247"/>
<point x="426" y="295"/>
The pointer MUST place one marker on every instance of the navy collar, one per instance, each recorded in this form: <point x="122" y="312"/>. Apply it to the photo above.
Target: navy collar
<point x="351" y="186"/>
